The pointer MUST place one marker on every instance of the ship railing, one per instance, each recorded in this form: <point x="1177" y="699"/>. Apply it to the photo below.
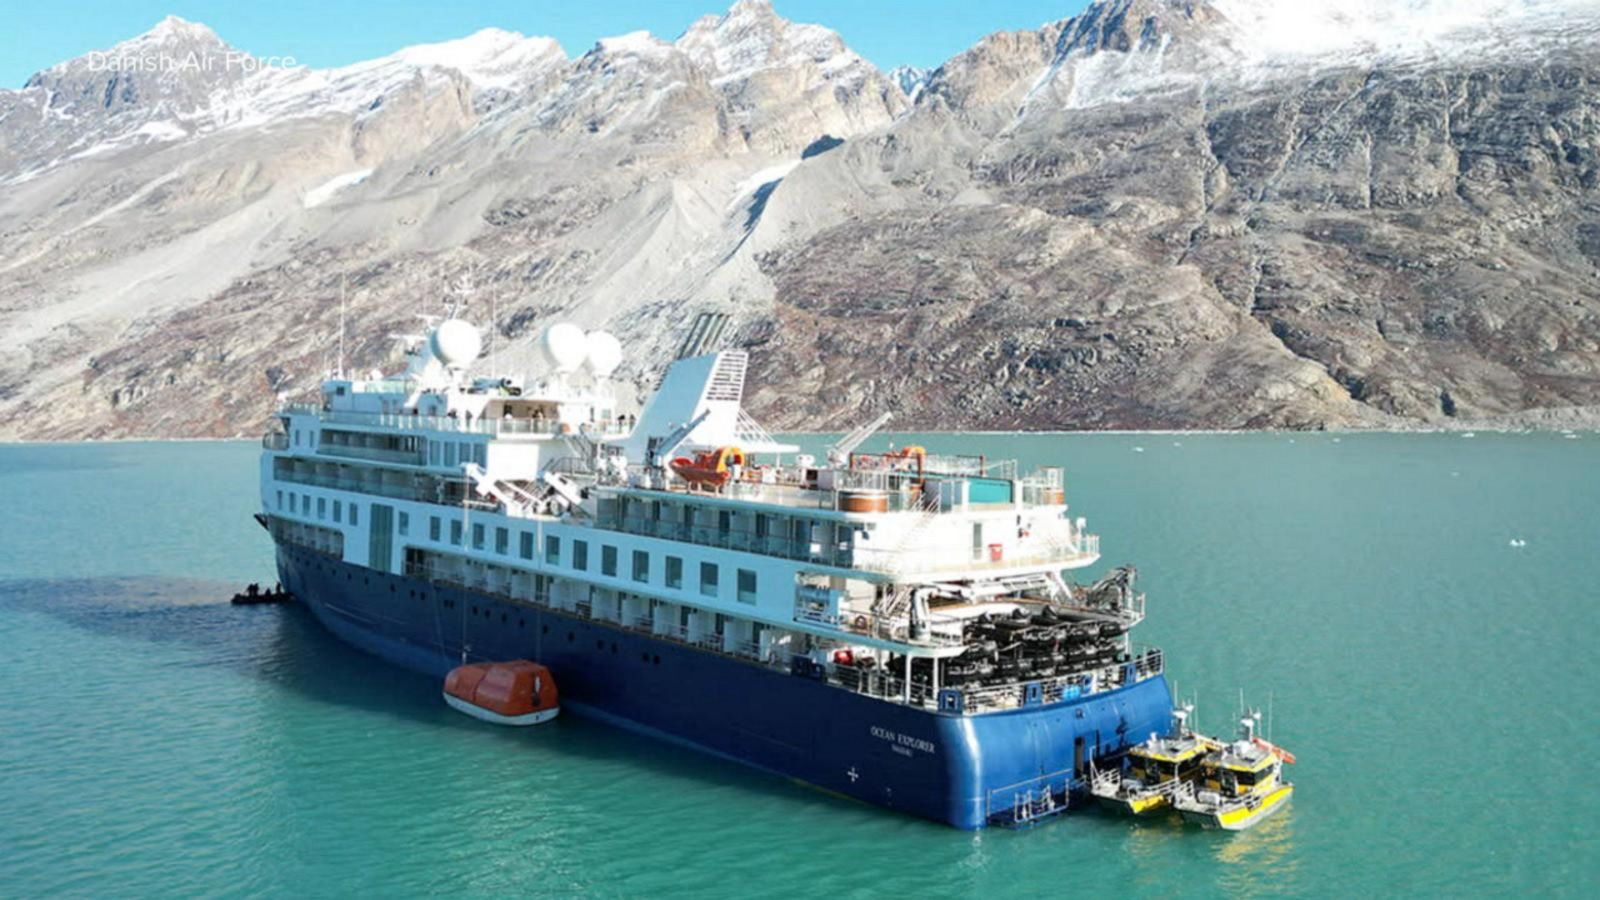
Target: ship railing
<point x="943" y="631"/>
<point x="679" y="633"/>
<point x="903" y="562"/>
<point x="748" y="649"/>
<point x="886" y="560"/>
<point x="375" y="454"/>
<point x="511" y="589"/>
<point x="708" y="641"/>
<point x="461" y="424"/>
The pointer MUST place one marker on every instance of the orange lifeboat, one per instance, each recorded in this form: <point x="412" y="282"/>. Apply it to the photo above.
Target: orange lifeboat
<point x="910" y="456"/>
<point x="710" y="468"/>
<point x="518" y="692"/>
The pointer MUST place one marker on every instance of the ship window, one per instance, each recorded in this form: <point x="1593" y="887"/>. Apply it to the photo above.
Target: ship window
<point x="305" y="504"/>
<point x="724" y="521"/>
<point x="433" y="528"/>
<point x="608" y="560"/>
<point x="450" y="455"/>
<point x="525" y="545"/>
<point x="280" y="500"/>
<point x="292" y="504"/>
<point x="404" y="522"/>
<point x="761" y="525"/>
<point x="502" y="541"/>
<point x="338" y="510"/>
<point x="477" y="535"/>
<point x="747" y="586"/>
<point x="552" y="549"/>
<point x="641" y="565"/>
<point x="708" y="579"/>
<point x="433" y="453"/>
<point x="322" y="507"/>
<point x="580" y="555"/>
<point x="674" y="572"/>
<point x="455" y="532"/>
<point x="353" y="516"/>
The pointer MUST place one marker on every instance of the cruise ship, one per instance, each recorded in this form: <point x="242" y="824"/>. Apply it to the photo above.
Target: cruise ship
<point x="900" y="627"/>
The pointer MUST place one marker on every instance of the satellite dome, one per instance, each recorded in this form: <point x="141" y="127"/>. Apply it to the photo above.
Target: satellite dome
<point x="455" y="343"/>
<point x="605" y="353"/>
<point x="565" y="346"/>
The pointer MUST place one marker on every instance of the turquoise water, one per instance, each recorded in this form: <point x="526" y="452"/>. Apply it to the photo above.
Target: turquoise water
<point x="1438" y="684"/>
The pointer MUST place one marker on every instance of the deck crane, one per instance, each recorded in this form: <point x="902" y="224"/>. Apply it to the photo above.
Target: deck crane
<point x="662" y="448"/>
<point x="839" y="453"/>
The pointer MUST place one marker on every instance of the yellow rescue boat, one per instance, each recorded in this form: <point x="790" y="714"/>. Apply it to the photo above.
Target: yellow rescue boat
<point x="1241" y="783"/>
<point x="1155" y="769"/>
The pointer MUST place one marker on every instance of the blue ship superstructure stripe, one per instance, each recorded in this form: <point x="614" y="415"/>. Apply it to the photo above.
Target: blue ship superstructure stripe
<point x="960" y="769"/>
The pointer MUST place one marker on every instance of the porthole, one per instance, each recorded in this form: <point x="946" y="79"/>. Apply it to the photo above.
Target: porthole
<point x="544" y="629"/>
<point x="613" y="646"/>
<point x="656" y="660"/>
<point x="571" y="637"/>
<point x="599" y="645"/>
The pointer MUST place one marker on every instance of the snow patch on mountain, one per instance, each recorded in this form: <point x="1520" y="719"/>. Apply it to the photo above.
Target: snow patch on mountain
<point x="639" y="44"/>
<point x="1117" y="50"/>
<point x="1388" y="30"/>
<point x="491" y="58"/>
<point x="324" y="192"/>
<point x="751" y="37"/>
<point x="910" y="79"/>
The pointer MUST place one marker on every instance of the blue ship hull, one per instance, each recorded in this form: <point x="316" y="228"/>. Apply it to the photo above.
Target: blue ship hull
<point x="966" y="771"/>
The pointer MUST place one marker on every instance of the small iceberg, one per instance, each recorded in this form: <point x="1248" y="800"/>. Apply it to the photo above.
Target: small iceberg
<point x="1138" y="449"/>
<point x="1518" y="542"/>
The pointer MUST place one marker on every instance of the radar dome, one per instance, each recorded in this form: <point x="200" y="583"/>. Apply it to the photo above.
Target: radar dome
<point x="455" y="343"/>
<point x="565" y="345"/>
<point x="605" y="353"/>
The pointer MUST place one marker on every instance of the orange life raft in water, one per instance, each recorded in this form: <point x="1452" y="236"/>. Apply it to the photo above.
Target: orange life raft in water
<point x="518" y="692"/>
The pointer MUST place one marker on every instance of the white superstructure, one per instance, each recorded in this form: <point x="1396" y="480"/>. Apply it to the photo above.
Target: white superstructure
<point x="692" y="523"/>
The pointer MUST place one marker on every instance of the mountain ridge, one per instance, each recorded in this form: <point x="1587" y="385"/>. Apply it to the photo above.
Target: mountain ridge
<point x="1062" y="227"/>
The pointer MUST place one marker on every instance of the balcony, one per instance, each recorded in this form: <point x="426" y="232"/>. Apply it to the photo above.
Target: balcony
<point x="462" y="425"/>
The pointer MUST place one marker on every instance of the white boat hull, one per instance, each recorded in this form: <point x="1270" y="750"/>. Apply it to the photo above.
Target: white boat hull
<point x="538" y="717"/>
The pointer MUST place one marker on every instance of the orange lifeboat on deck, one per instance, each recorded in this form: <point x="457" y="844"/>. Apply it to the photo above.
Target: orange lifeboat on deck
<point x="711" y="469"/>
<point x="505" y="693"/>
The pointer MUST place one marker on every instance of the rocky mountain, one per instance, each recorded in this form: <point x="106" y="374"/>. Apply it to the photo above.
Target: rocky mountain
<point x="1157" y="213"/>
